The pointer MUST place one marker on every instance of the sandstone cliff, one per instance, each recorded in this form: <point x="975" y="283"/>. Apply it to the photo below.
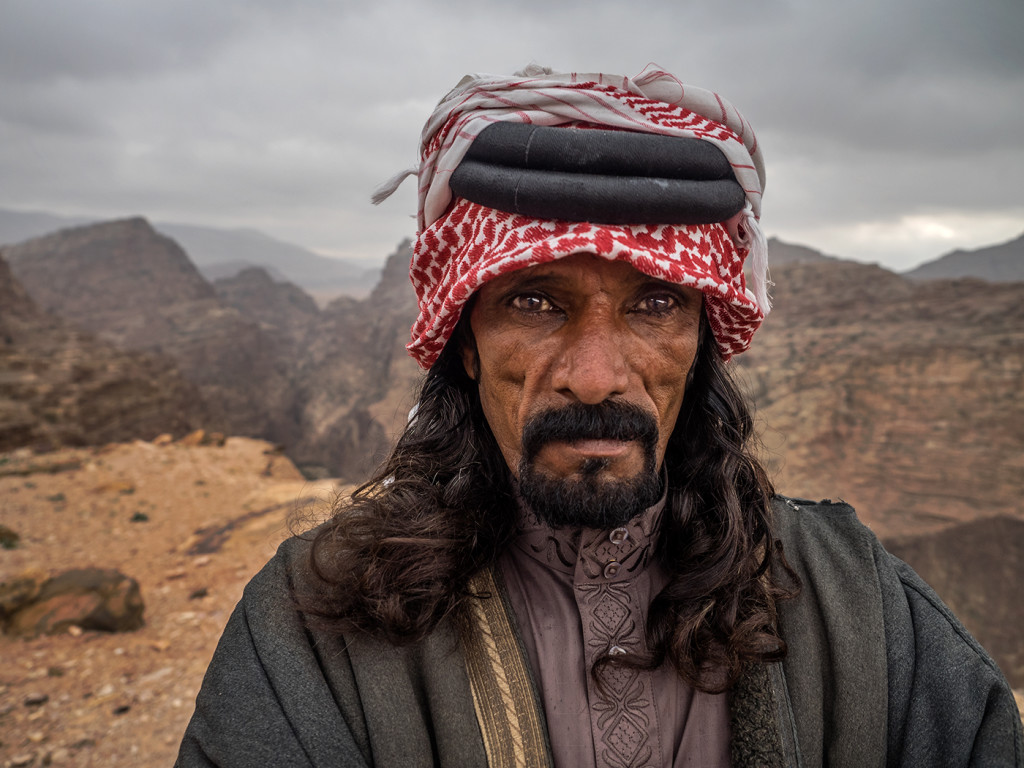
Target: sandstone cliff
<point x="138" y="290"/>
<point x="903" y="398"/>
<point x="356" y="382"/>
<point x="60" y="386"/>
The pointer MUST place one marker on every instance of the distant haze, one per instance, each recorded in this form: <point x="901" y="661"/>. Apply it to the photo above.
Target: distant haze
<point x="219" y="253"/>
<point x="892" y="131"/>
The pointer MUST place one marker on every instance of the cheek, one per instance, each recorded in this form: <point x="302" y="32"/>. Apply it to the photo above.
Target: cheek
<point x="501" y="390"/>
<point x="668" y="390"/>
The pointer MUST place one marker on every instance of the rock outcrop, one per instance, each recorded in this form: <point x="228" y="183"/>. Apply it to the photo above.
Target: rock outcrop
<point x="99" y="599"/>
<point x="138" y="290"/>
<point x="903" y="398"/>
<point x="356" y="381"/>
<point x="60" y="386"/>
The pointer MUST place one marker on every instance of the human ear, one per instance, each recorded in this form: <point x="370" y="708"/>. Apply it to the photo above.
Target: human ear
<point x="467" y="348"/>
<point x="470" y="358"/>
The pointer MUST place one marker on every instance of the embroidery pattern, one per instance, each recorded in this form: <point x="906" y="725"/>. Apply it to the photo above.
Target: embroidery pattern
<point x="623" y="729"/>
<point x="623" y="719"/>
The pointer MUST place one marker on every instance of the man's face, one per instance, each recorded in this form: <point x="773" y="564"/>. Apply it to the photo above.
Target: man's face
<point x="589" y="359"/>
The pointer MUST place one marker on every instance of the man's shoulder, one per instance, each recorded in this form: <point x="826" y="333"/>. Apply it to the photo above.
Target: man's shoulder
<point x="287" y="570"/>
<point x="818" y="527"/>
<point x="856" y="635"/>
<point x="793" y="508"/>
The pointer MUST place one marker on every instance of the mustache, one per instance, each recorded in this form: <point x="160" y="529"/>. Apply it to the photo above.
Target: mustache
<point x="610" y="420"/>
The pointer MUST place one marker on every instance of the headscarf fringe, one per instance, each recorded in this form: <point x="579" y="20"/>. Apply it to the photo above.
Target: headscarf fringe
<point x="759" y="264"/>
<point x="387" y="189"/>
<point x="747" y="234"/>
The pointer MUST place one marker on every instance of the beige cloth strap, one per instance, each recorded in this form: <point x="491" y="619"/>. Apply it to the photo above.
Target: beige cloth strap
<point x="509" y="716"/>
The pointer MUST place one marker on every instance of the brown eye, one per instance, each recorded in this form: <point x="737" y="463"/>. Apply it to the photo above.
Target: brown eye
<point x="658" y="304"/>
<point x="532" y="302"/>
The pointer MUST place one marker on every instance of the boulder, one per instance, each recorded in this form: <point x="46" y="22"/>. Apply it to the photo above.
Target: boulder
<point x="18" y="592"/>
<point x="98" y="599"/>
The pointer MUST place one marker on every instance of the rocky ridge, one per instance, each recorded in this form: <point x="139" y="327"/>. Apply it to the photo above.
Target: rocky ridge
<point x="61" y="386"/>
<point x="1002" y="263"/>
<point x="137" y="289"/>
<point x="332" y="385"/>
<point x="219" y="253"/>
<point x="902" y="398"/>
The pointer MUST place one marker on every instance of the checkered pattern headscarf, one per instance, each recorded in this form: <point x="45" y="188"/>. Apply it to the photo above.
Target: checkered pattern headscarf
<point x="461" y="245"/>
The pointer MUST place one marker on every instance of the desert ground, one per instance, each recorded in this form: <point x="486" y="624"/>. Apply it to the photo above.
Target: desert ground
<point x="192" y="524"/>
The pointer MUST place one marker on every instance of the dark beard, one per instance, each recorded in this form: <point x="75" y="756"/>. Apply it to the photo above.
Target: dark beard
<point x="585" y="500"/>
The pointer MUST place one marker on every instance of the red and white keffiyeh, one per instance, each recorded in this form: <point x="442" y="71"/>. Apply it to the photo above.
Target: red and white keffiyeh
<point x="460" y="247"/>
<point x="473" y="244"/>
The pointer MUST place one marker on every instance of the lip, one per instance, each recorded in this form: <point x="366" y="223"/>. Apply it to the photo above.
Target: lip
<point x="604" y="449"/>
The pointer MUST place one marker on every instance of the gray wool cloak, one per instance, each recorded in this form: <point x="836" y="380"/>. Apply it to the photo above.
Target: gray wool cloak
<point x="878" y="673"/>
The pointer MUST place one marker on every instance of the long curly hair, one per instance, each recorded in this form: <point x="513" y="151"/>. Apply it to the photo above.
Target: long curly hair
<point x="397" y="555"/>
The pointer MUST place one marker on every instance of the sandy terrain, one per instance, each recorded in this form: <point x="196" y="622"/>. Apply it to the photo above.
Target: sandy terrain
<point x="94" y="699"/>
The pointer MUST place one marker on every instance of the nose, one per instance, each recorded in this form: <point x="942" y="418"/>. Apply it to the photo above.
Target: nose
<point x="592" y="364"/>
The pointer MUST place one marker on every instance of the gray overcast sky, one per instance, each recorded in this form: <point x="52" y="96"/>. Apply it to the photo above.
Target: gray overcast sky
<point x="893" y="132"/>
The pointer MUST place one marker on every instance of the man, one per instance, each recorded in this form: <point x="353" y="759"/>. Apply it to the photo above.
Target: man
<point x="572" y="557"/>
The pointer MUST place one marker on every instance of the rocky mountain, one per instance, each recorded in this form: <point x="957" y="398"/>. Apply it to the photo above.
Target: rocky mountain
<point x="780" y="252"/>
<point x="108" y="277"/>
<point x="352" y="380"/>
<point x="356" y="381"/>
<point x="138" y="290"/>
<point x="229" y="269"/>
<point x="16" y="226"/>
<point x="220" y="253"/>
<point x="331" y="385"/>
<point x="212" y="250"/>
<point x="278" y="306"/>
<point x="900" y="397"/>
<point x="1003" y="263"/>
<point x="60" y="386"/>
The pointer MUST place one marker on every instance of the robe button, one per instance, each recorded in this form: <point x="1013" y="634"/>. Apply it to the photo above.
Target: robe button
<point x="617" y="650"/>
<point x="618" y="536"/>
<point x="611" y="569"/>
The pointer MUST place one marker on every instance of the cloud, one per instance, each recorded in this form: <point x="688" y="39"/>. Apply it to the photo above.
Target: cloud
<point x="116" y="39"/>
<point x="285" y="116"/>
